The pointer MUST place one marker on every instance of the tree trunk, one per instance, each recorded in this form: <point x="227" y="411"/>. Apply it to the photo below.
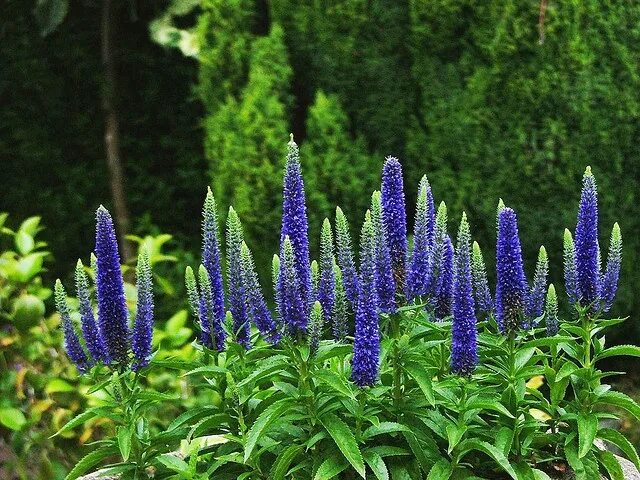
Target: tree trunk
<point x="111" y="130"/>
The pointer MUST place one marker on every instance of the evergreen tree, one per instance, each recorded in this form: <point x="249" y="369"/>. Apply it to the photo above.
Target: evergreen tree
<point x="336" y="166"/>
<point x="245" y="144"/>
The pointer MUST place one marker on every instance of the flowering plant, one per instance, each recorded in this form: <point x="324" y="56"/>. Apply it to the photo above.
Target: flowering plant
<point x="401" y="365"/>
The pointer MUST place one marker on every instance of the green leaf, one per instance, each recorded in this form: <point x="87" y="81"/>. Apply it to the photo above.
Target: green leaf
<point x="267" y="418"/>
<point x="208" y="369"/>
<point x="623" y="401"/>
<point x="330" y="350"/>
<point x="454" y="435"/>
<point x="441" y="470"/>
<point x="377" y="465"/>
<point x="281" y="466"/>
<point x="124" y="442"/>
<point x="540" y="475"/>
<point x="57" y="385"/>
<point x="345" y="441"/>
<point x="609" y="461"/>
<point x="24" y="242"/>
<point x="79" y="419"/>
<point x="587" y="429"/>
<point x="335" y="381"/>
<point x="384" y="427"/>
<point x="472" y="444"/>
<point x="331" y="467"/>
<point x="619" y="440"/>
<point x="489" y="404"/>
<point x="12" y="418"/>
<point x="619" y="350"/>
<point x="173" y="463"/>
<point x="565" y="371"/>
<point x="422" y="378"/>
<point x="90" y="460"/>
<point x="504" y="440"/>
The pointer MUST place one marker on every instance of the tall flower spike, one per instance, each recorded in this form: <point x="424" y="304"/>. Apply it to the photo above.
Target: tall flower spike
<point x="237" y="293"/>
<point x="612" y="272"/>
<point x="292" y="302"/>
<point x="258" y="309"/>
<point x="294" y="220"/>
<point x="345" y="257"/>
<point x="71" y="341"/>
<point x="511" y="283"/>
<point x="339" y="313"/>
<point x="366" y="347"/>
<point x="464" y="347"/>
<point x="192" y="292"/>
<point x="205" y="310"/>
<point x="445" y="281"/>
<point x="315" y="277"/>
<point x="211" y="254"/>
<point x="112" y="307"/>
<point x="275" y="272"/>
<point x="438" y="250"/>
<point x="586" y="243"/>
<point x="535" y="301"/>
<point x="500" y="207"/>
<point x="551" y="311"/>
<point x="90" y="330"/>
<point x="316" y="322"/>
<point x="419" y="273"/>
<point x="385" y="281"/>
<point x="481" y="291"/>
<point x="395" y="217"/>
<point x="570" y="274"/>
<point x="143" y="325"/>
<point x="327" y="282"/>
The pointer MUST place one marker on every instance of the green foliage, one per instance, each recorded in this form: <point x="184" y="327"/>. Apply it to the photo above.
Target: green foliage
<point x="244" y="141"/>
<point x="336" y="166"/>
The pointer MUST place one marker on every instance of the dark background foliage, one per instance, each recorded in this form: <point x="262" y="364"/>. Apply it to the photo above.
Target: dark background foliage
<point x="484" y="97"/>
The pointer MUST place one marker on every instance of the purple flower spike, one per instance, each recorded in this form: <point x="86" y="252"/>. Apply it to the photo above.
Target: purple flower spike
<point x="327" y="280"/>
<point x="292" y="302"/>
<point x="112" y="306"/>
<point x="213" y="334"/>
<point x="535" y="302"/>
<point x="511" y="288"/>
<point x="294" y="220"/>
<point x="90" y="331"/>
<point x="419" y="274"/>
<point x="464" y="348"/>
<point x="612" y="272"/>
<point x="257" y="305"/>
<point x="366" y="347"/>
<point x="445" y="281"/>
<point x="143" y="325"/>
<point x="237" y="291"/>
<point x="71" y="341"/>
<point x="394" y="217"/>
<point x="211" y="254"/>
<point x="586" y="243"/>
<point x="345" y="257"/>
<point x="385" y="281"/>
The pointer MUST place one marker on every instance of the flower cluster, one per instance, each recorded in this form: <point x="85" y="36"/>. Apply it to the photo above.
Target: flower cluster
<point x="337" y="296"/>
<point x="585" y="282"/>
<point x="110" y="340"/>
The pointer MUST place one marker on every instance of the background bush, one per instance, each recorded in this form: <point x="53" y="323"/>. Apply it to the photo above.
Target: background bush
<point x="470" y="93"/>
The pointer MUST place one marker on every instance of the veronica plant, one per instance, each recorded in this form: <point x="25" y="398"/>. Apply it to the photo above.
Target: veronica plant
<point x="342" y="386"/>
